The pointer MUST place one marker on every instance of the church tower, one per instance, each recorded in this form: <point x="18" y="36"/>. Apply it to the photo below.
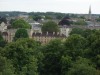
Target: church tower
<point x="90" y="15"/>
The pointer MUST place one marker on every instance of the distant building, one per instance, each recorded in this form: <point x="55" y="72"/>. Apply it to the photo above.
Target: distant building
<point x="9" y="34"/>
<point x="64" y="26"/>
<point x="65" y="30"/>
<point x="36" y="27"/>
<point x="3" y="27"/>
<point x="41" y="37"/>
<point x="45" y="38"/>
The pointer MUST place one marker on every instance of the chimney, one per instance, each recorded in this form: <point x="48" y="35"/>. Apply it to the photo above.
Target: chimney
<point x="53" y="33"/>
<point x="47" y="32"/>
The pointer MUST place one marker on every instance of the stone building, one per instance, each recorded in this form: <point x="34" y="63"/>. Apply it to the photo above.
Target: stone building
<point x="36" y="27"/>
<point x="41" y="37"/>
<point x="9" y="34"/>
<point x="47" y="37"/>
<point x="3" y="27"/>
<point x="65" y="30"/>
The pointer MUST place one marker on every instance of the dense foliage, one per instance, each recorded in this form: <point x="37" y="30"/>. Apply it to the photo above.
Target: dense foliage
<point x="78" y="55"/>
<point x="50" y="26"/>
<point x="20" y="23"/>
<point x="80" y="22"/>
<point x="2" y="41"/>
<point x="21" y="33"/>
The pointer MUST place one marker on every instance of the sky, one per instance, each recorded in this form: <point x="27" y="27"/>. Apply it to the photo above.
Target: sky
<point x="64" y="6"/>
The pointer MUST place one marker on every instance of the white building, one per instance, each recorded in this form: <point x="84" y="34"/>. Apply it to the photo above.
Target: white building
<point x="3" y="27"/>
<point x="36" y="27"/>
<point x="65" y="30"/>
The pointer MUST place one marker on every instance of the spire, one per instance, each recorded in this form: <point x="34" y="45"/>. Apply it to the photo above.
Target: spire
<point x="90" y="9"/>
<point x="90" y="16"/>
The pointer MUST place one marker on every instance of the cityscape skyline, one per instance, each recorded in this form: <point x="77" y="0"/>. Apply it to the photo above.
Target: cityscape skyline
<point x="64" y="6"/>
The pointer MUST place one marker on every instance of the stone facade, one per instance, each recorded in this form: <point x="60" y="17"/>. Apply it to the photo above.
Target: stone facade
<point x="9" y="34"/>
<point x="65" y="30"/>
<point x="41" y="37"/>
<point x="45" y="38"/>
<point x="3" y="27"/>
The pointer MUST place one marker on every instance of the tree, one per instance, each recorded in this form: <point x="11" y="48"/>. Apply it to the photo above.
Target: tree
<point x="82" y="67"/>
<point x="48" y="17"/>
<point x="21" y="33"/>
<point x="6" y="68"/>
<point x="80" y="22"/>
<point x="12" y="20"/>
<point x="2" y="41"/>
<point x="52" y="57"/>
<point x="78" y="31"/>
<point x="20" y="23"/>
<point x="75" y="45"/>
<point x="87" y="33"/>
<point x="59" y="17"/>
<point x="50" y="26"/>
<point x="37" y="18"/>
<point x="66" y="63"/>
<point x="24" y="55"/>
<point x="94" y="47"/>
<point x="83" y="32"/>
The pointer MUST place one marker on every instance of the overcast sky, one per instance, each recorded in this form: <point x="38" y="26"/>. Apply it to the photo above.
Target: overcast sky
<point x="65" y="6"/>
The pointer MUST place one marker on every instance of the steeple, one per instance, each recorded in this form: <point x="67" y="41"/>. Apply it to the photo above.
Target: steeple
<point x="90" y="9"/>
<point x="90" y="16"/>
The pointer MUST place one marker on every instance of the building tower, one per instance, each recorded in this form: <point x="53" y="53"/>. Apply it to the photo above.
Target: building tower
<point x="90" y="15"/>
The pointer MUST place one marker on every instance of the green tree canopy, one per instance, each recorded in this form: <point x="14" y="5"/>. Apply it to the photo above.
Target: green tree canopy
<point x="37" y="17"/>
<point x="21" y="33"/>
<point x="20" y="23"/>
<point x="83" y="32"/>
<point x="82" y="67"/>
<point x="75" y="44"/>
<point x="52" y="56"/>
<point x="2" y="41"/>
<point x="50" y="26"/>
<point x="6" y="68"/>
<point x="77" y="31"/>
<point x="24" y="56"/>
<point x="66" y="64"/>
<point x="80" y="22"/>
